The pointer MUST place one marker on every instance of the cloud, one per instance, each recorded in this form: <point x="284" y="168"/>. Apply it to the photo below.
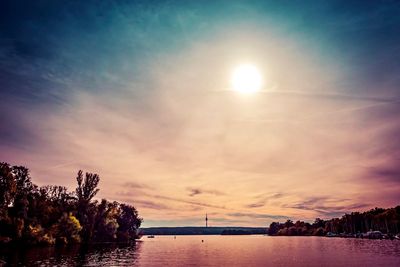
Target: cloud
<point x="136" y="185"/>
<point x="388" y="174"/>
<point x="256" y="204"/>
<point x="337" y="96"/>
<point x="263" y="200"/>
<point x="258" y="216"/>
<point x="327" y="206"/>
<point x="168" y="198"/>
<point x="147" y="204"/>
<point x="190" y="202"/>
<point x="193" y="191"/>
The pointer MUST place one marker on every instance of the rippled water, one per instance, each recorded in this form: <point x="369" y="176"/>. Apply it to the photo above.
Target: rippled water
<point x="217" y="251"/>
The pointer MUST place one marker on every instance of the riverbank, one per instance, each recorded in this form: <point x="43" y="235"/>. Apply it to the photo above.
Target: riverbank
<point x="368" y="235"/>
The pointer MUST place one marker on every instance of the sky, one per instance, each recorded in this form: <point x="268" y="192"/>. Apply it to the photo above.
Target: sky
<point x="140" y="92"/>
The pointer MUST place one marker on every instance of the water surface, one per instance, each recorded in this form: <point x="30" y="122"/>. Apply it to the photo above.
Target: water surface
<point x="217" y="251"/>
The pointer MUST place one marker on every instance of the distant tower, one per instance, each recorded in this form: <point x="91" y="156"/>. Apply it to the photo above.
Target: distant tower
<point x="206" y="220"/>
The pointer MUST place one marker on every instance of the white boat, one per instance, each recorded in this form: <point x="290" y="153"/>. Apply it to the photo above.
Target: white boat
<point x="373" y="235"/>
<point x="330" y="234"/>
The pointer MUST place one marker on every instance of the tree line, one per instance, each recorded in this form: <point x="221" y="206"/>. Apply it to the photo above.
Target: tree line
<point x="50" y="214"/>
<point x="378" y="219"/>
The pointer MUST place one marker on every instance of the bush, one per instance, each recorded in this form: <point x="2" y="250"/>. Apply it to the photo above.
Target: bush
<point x="67" y="229"/>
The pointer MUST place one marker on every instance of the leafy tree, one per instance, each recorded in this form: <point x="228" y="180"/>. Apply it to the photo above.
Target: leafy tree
<point x="273" y="228"/>
<point x="106" y="224"/>
<point x="52" y="201"/>
<point x="288" y="223"/>
<point x="86" y="190"/>
<point x="25" y="192"/>
<point x="318" y="223"/>
<point x="8" y="188"/>
<point x="58" y="195"/>
<point x="128" y="221"/>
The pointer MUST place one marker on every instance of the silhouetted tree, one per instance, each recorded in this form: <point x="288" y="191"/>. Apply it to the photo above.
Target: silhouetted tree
<point x="8" y="188"/>
<point x="288" y="223"/>
<point x="87" y="188"/>
<point x="318" y="223"/>
<point x="273" y="228"/>
<point x="128" y="222"/>
<point x="85" y="191"/>
<point x="106" y="224"/>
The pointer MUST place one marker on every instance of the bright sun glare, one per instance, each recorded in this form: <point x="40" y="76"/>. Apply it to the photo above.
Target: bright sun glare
<point x="246" y="79"/>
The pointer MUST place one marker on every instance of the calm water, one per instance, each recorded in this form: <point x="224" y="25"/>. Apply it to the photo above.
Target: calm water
<point x="218" y="251"/>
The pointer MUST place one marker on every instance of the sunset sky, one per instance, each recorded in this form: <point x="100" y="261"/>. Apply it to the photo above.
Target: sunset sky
<point x="140" y="92"/>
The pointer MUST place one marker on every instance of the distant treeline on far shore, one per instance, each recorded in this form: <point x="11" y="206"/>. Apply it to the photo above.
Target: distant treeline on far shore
<point x="50" y="214"/>
<point x="386" y="221"/>
<point x="193" y="230"/>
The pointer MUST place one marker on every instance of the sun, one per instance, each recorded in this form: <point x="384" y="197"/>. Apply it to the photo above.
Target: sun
<point x="246" y="79"/>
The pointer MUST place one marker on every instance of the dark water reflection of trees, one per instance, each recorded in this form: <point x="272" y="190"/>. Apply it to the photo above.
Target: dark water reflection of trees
<point x="80" y="255"/>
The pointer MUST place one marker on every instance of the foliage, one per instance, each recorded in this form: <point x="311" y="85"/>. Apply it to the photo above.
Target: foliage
<point x="378" y="219"/>
<point x="87" y="190"/>
<point x="106" y="224"/>
<point x="67" y="230"/>
<point x="8" y="187"/>
<point x="51" y="214"/>
<point x="128" y="222"/>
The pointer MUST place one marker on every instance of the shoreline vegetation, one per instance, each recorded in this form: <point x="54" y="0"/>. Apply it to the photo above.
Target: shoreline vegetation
<point x="50" y="215"/>
<point x="377" y="223"/>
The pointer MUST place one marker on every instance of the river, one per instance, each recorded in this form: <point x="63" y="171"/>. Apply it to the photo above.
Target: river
<point x="255" y="250"/>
